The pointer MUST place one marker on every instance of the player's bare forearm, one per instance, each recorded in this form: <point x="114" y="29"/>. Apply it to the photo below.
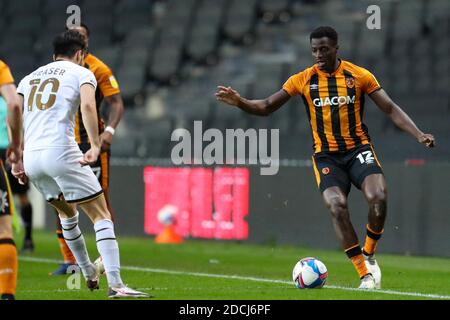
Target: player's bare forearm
<point x="90" y="121"/>
<point x="404" y="122"/>
<point x="400" y="118"/>
<point x="115" y="103"/>
<point x="15" y="125"/>
<point x="89" y="113"/>
<point x="256" y="107"/>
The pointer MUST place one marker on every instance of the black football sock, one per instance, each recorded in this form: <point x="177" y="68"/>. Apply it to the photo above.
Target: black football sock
<point x="27" y="216"/>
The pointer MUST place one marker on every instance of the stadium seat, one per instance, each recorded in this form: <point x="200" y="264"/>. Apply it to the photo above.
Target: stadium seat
<point x="131" y="79"/>
<point x="177" y="8"/>
<point x="131" y="72"/>
<point x="271" y="37"/>
<point x="110" y="56"/>
<point x="273" y="10"/>
<point x="51" y="8"/>
<point x="165" y="63"/>
<point x="373" y="43"/>
<point x="43" y="46"/>
<point x="98" y="7"/>
<point x="100" y="26"/>
<point x="27" y="7"/>
<point x="132" y="15"/>
<point x="125" y="147"/>
<point x="410" y="14"/>
<point x="25" y="23"/>
<point x="135" y="57"/>
<point x="268" y="75"/>
<point x="11" y="44"/>
<point x="203" y="41"/>
<point x="441" y="47"/>
<point x="437" y="9"/>
<point x="274" y="6"/>
<point x="156" y="134"/>
<point x="21" y="65"/>
<point x="135" y="4"/>
<point x="142" y="37"/>
<point x="240" y="19"/>
<point x="132" y="118"/>
<point x="54" y="25"/>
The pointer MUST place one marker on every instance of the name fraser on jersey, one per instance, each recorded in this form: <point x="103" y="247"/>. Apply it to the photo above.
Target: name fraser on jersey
<point x="49" y="71"/>
<point x="334" y="101"/>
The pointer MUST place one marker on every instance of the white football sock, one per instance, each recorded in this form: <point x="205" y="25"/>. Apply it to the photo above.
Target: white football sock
<point x="75" y="241"/>
<point x="109" y="250"/>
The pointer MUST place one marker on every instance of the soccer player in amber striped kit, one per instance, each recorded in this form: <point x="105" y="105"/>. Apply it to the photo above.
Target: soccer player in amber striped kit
<point x="333" y="91"/>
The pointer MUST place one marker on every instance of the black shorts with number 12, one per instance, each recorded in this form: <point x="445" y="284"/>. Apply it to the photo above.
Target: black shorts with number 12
<point x="341" y="169"/>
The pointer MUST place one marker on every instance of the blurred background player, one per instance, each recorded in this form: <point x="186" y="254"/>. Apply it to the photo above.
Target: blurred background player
<point x="333" y="91"/>
<point x="107" y="89"/>
<point x="55" y="164"/>
<point x="8" y="252"/>
<point x="18" y="189"/>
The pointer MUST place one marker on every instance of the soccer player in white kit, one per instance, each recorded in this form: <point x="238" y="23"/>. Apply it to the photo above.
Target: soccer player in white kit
<point x="53" y="162"/>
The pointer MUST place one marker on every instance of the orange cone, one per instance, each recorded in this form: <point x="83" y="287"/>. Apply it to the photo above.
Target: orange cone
<point x="168" y="235"/>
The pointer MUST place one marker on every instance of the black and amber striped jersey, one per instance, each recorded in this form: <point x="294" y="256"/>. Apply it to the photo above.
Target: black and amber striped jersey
<point x="334" y="104"/>
<point x="106" y="86"/>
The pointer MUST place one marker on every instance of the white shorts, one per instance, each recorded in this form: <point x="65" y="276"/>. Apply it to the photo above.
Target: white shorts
<point x="57" y="171"/>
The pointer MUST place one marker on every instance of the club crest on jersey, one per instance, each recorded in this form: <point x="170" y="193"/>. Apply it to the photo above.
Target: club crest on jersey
<point x="350" y="82"/>
<point x="326" y="170"/>
<point x="313" y="87"/>
<point x="113" y="82"/>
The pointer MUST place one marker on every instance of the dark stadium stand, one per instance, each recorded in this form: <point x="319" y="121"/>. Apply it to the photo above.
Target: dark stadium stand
<point x="169" y="56"/>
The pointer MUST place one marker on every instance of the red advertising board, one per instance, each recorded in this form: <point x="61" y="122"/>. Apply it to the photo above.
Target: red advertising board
<point x="210" y="203"/>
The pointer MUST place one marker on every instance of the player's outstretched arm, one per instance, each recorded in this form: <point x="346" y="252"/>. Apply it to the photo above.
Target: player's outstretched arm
<point x="115" y="104"/>
<point x="400" y="118"/>
<point x="89" y="114"/>
<point x="257" y="107"/>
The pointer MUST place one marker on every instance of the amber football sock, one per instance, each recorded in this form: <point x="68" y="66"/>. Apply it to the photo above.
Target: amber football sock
<point x="65" y="251"/>
<point x="372" y="238"/>
<point x="8" y="267"/>
<point x="354" y="253"/>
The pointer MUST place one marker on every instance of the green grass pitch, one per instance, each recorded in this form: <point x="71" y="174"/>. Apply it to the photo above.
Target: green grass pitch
<point x="230" y="271"/>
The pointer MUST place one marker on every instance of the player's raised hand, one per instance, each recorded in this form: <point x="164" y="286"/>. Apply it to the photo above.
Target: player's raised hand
<point x="427" y="139"/>
<point x="91" y="156"/>
<point x="228" y="95"/>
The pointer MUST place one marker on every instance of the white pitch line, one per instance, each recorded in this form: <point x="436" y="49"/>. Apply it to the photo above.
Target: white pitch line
<point x="245" y="278"/>
<point x="72" y="290"/>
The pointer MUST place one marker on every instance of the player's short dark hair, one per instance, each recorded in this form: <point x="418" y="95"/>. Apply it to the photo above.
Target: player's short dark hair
<point x="326" y="31"/>
<point x="68" y="43"/>
<point x="83" y="25"/>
